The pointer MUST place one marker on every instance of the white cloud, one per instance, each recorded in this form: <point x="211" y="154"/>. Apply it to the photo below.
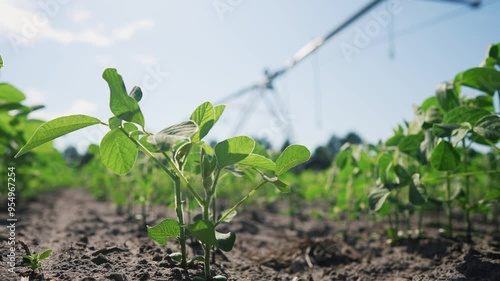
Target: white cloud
<point x="128" y="30"/>
<point x="81" y="16"/>
<point x="24" y="24"/>
<point x="35" y="97"/>
<point x="79" y="106"/>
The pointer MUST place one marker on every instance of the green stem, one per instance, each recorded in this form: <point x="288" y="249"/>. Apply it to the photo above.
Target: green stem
<point x="178" y="173"/>
<point x="448" y="203"/>
<point x="240" y="202"/>
<point x="207" y="248"/>
<point x="467" y="193"/>
<point x="180" y="218"/>
<point x="213" y="195"/>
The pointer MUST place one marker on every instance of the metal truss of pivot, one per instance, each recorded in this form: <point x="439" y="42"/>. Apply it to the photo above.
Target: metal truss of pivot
<point x="270" y="76"/>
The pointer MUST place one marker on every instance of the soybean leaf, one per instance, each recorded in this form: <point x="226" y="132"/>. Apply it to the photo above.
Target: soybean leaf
<point x="219" y="109"/>
<point x="447" y="97"/>
<point x="45" y="254"/>
<point x="233" y="150"/>
<point x="484" y="79"/>
<point x="136" y="93"/>
<point x="122" y="105"/>
<point x="292" y="156"/>
<point x="431" y="116"/>
<point x="418" y="194"/>
<point x="463" y="114"/>
<point x="432" y="101"/>
<point x="411" y="144"/>
<point x="56" y="128"/>
<point x="343" y="157"/>
<point x="377" y="197"/>
<point x="1" y="62"/>
<point x="444" y="130"/>
<point x="225" y="241"/>
<point x="259" y="162"/>
<point x="114" y="122"/>
<point x="281" y="186"/>
<point x="204" y="116"/>
<point x="171" y="135"/>
<point x="461" y="132"/>
<point x="488" y="127"/>
<point x="444" y="157"/>
<point x="204" y="230"/>
<point x="118" y="152"/>
<point x="10" y="94"/>
<point x="164" y="230"/>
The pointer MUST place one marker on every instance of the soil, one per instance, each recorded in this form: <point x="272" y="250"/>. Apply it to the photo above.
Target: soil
<point x="90" y="241"/>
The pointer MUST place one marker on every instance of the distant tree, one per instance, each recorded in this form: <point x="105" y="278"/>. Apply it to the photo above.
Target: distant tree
<point x="352" y="138"/>
<point x="71" y="156"/>
<point x="264" y="142"/>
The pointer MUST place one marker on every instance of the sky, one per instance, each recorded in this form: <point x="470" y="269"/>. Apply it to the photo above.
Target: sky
<point x="183" y="53"/>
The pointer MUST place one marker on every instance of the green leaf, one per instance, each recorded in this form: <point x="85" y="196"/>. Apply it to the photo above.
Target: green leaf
<point x="118" y="152"/>
<point x="488" y="127"/>
<point x="219" y="109"/>
<point x="56" y="128"/>
<point x="444" y="157"/>
<point x="463" y="114"/>
<point x="136" y="93"/>
<point x="281" y="186"/>
<point x="173" y="134"/>
<point x="164" y="230"/>
<point x="204" y="230"/>
<point x="485" y="79"/>
<point x="114" y="122"/>
<point x="447" y="97"/>
<point x="377" y="197"/>
<point x="461" y="132"/>
<point x="10" y="94"/>
<point x="444" y="130"/>
<point x="292" y="156"/>
<point x="204" y="116"/>
<point x="1" y="62"/>
<point x="45" y="254"/>
<point x="122" y="105"/>
<point x="259" y="162"/>
<point x="342" y="159"/>
<point x="432" y="101"/>
<point x="411" y="144"/>
<point x="233" y="150"/>
<point x="418" y="194"/>
<point x="225" y="241"/>
<point x="431" y="116"/>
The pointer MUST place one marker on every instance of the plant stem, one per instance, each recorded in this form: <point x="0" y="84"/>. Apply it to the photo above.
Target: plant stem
<point x="179" y="174"/>
<point x="180" y="218"/>
<point x="240" y="202"/>
<point x="448" y="203"/>
<point x="467" y="193"/>
<point x="207" y="248"/>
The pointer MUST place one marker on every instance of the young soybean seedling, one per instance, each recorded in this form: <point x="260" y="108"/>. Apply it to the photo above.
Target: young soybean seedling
<point x="35" y="260"/>
<point x="170" y="149"/>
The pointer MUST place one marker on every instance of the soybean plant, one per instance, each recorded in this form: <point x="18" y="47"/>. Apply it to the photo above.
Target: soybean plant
<point x="172" y="149"/>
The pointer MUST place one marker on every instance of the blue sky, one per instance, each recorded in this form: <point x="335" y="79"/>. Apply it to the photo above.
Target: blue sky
<point x="186" y="52"/>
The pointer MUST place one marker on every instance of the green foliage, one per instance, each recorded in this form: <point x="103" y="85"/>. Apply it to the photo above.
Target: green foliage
<point x="35" y="260"/>
<point x="174" y="150"/>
